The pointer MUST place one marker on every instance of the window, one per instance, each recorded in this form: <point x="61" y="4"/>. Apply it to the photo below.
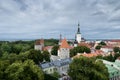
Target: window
<point x="45" y="71"/>
<point x="55" y="69"/>
<point x="50" y="70"/>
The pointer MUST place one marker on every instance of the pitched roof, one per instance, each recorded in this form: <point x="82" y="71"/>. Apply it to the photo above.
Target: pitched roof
<point x="39" y="42"/>
<point x="48" y="47"/>
<point x="88" y="55"/>
<point x="117" y="40"/>
<point x="109" y="47"/>
<point x="64" y="44"/>
<point x="57" y="63"/>
<point x="84" y="44"/>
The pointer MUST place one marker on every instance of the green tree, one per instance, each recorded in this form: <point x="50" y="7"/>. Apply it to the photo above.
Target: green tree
<point x="12" y="57"/>
<point x="56" y="74"/>
<point x="3" y="65"/>
<point x="84" y="68"/>
<point x="49" y="77"/>
<point x="116" y="49"/>
<point x="35" y="55"/>
<point x="5" y="47"/>
<point x="109" y="58"/>
<point x="72" y="52"/>
<point x="16" y="48"/>
<point x="54" y="50"/>
<point x="46" y="56"/>
<point x="98" y="47"/>
<point x="102" y="43"/>
<point x="24" y="71"/>
<point x="51" y="42"/>
<point x="79" y="49"/>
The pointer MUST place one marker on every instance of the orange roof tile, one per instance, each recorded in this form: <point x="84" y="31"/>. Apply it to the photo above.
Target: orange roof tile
<point x="40" y="41"/>
<point x="117" y="40"/>
<point x="107" y="46"/>
<point x="118" y="58"/>
<point x="64" y="44"/>
<point x="87" y="55"/>
<point x="84" y="44"/>
<point x="48" y="47"/>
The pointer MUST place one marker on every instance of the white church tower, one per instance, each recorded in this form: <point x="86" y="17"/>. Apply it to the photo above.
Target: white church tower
<point x="78" y="35"/>
<point x="64" y="50"/>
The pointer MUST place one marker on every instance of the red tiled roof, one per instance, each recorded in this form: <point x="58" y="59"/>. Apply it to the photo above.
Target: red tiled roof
<point x="71" y="47"/>
<point x="48" y="47"/>
<point x="107" y="46"/>
<point x="84" y="44"/>
<point x="40" y="41"/>
<point x="115" y="40"/>
<point x="97" y="53"/>
<point x="86" y="55"/>
<point x="64" y="44"/>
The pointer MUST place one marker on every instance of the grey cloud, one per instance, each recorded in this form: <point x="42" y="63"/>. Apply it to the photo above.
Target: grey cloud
<point x="49" y="18"/>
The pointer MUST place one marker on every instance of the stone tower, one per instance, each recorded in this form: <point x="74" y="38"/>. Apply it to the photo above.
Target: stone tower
<point x="64" y="50"/>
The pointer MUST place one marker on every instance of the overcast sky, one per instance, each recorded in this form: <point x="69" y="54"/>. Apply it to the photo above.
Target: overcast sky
<point x="32" y="19"/>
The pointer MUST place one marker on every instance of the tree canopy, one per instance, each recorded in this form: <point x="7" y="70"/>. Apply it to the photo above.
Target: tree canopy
<point x="24" y="71"/>
<point x="54" y="50"/>
<point x="98" y="47"/>
<point x="79" y="49"/>
<point x="116" y="49"/>
<point x="84" y="68"/>
<point x="46" y="56"/>
<point x="102" y="43"/>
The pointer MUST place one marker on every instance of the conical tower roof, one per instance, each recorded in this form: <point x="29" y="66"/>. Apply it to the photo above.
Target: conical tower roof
<point x="78" y="31"/>
<point x="64" y="44"/>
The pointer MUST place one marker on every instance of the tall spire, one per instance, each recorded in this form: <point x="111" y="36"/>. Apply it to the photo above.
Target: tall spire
<point x="78" y="31"/>
<point x="60" y="37"/>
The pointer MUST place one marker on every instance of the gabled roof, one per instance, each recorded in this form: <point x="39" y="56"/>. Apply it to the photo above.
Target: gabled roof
<point x="57" y="63"/>
<point x="64" y="44"/>
<point x="84" y="44"/>
<point x="39" y="42"/>
<point x="97" y="53"/>
<point x="117" y="40"/>
<point x="48" y="47"/>
<point x="109" y="47"/>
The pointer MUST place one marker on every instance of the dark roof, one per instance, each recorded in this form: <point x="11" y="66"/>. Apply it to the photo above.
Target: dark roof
<point x="57" y="63"/>
<point x="78" y="31"/>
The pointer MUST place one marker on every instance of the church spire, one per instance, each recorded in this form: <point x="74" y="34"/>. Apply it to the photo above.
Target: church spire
<point x="78" y="31"/>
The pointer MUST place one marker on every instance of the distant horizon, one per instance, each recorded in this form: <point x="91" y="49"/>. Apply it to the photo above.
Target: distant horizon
<point x="53" y="38"/>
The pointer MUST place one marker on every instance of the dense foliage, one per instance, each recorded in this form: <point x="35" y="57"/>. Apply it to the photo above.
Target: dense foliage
<point x="54" y="50"/>
<point x="15" y="46"/>
<point x="116" y="49"/>
<point x="110" y="57"/>
<point x="84" y="68"/>
<point x="79" y="49"/>
<point x="98" y="47"/>
<point x="102" y="43"/>
<point x="19" y="61"/>
<point x="19" y="70"/>
<point x="51" y="42"/>
<point x="26" y="70"/>
<point x="49" y="77"/>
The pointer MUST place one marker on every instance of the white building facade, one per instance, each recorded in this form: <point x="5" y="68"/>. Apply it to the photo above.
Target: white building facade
<point x="78" y="35"/>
